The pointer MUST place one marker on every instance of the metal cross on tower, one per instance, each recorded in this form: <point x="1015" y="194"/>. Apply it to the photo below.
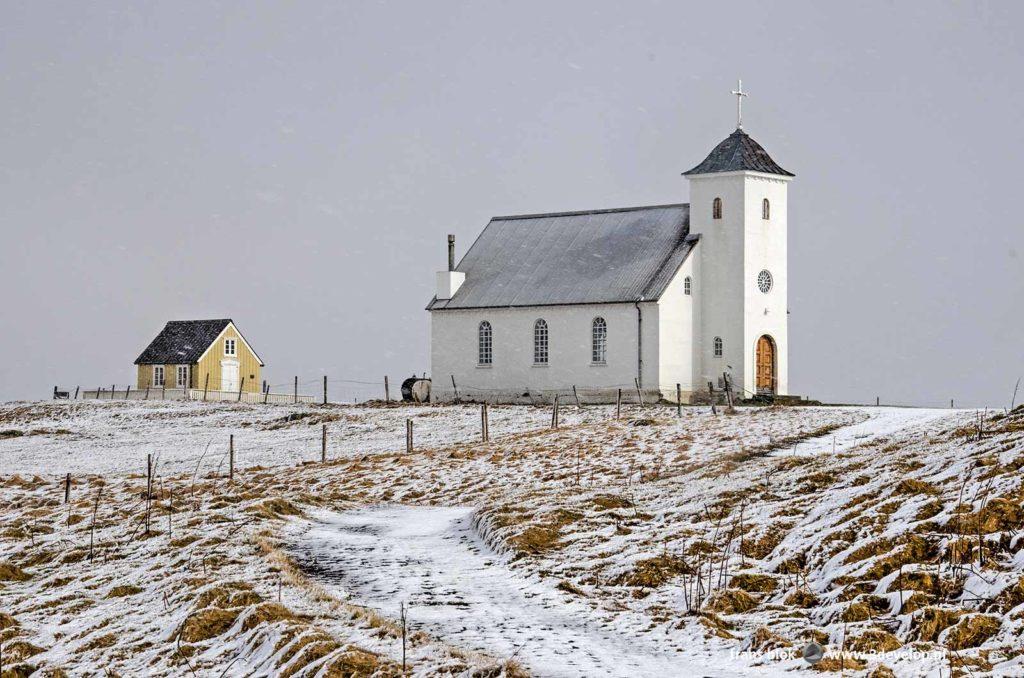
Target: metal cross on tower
<point x="739" y="94"/>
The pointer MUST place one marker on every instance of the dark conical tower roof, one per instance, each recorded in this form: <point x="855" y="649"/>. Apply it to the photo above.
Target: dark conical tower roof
<point x="739" y="152"/>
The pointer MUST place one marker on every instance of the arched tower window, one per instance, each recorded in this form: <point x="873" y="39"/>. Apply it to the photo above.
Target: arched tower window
<point x="716" y="208"/>
<point x="540" y="342"/>
<point x="599" y="341"/>
<point x="485" y="355"/>
<point x="766" y="209"/>
<point x="687" y="286"/>
<point x="718" y="347"/>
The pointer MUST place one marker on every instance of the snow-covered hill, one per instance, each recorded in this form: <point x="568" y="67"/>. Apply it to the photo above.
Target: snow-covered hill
<point x="718" y="545"/>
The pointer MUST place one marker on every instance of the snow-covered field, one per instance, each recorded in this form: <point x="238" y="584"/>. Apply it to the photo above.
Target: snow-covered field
<point x="696" y="545"/>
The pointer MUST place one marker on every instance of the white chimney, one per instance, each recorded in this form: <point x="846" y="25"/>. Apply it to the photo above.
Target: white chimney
<point x="449" y="282"/>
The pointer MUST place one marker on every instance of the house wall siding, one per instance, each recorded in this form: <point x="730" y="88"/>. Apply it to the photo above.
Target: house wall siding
<point x="248" y="364"/>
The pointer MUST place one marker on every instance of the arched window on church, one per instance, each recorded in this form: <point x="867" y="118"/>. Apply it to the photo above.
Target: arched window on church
<point x="687" y="286"/>
<point x="766" y="209"/>
<point x="718" y="347"/>
<point x="540" y="342"/>
<point x="599" y="341"/>
<point x="485" y="356"/>
<point x="716" y="209"/>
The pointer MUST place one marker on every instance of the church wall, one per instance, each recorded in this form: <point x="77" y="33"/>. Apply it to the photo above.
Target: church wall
<point x="678" y="314"/>
<point x="454" y="336"/>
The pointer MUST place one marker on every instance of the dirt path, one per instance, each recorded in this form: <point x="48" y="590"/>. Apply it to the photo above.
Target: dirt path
<point x="461" y="591"/>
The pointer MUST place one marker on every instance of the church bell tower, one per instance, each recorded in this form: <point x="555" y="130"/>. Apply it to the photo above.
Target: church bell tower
<point x="738" y="205"/>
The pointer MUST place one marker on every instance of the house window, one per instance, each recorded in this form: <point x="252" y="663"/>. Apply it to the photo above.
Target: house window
<point x="718" y="347"/>
<point x="687" y="286"/>
<point x="599" y="341"/>
<point x="716" y="209"/>
<point x="182" y="376"/>
<point x="158" y="375"/>
<point x="764" y="281"/>
<point x="540" y="342"/>
<point x="766" y="209"/>
<point x="229" y="347"/>
<point x="484" y="344"/>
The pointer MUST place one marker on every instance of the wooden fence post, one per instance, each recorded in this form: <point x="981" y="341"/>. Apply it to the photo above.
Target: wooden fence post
<point x="231" y="458"/>
<point x="728" y="389"/>
<point x="54" y="392"/>
<point x="639" y="393"/>
<point x="618" y="403"/>
<point x="76" y="393"/>
<point x="296" y="392"/>
<point x="455" y="388"/>
<point x="163" y="391"/>
<point x="266" y="392"/>
<point x="112" y="386"/>
<point x="241" y="385"/>
<point x="206" y="386"/>
<point x="554" y="412"/>
<point x="149" y="486"/>
<point x="127" y="391"/>
<point x="146" y="397"/>
<point x="576" y="395"/>
<point x="387" y="390"/>
<point x="325" y="389"/>
<point x="679" y="400"/>
<point x="711" y="392"/>
<point x="878" y="400"/>
<point x="323" y="444"/>
<point x="408" y="436"/>
<point x="67" y="488"/>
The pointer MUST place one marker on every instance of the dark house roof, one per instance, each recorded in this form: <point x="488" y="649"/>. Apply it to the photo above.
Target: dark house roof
<point x="739" y="152"/>
<point x="597" y="257"/>
<point x="182" y="341"/>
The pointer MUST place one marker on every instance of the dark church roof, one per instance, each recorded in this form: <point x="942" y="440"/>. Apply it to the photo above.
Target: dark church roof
<point x="738" y="152"/>
<point x="597" y="257"/>
<point x="182" y="342"/>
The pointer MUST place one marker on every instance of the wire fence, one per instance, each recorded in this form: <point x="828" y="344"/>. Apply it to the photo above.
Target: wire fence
<point x="345" y="390"/>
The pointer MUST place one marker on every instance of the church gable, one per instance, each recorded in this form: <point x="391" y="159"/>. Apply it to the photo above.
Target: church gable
<point x="604" y="256"/>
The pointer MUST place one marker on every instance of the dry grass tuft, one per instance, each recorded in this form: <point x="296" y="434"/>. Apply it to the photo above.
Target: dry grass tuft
<point x="801" y="598"/>
<point x="275" y="509"/>
<point x="205" y="624"/>
<point x="932" y="621"/>
<point x="875" y="640"/>
<point x="765" y="640"/>
<point x="732" y="601"/>
<point x="914" y="486"/>
<point x="122" y="591"/>
<point x="266" y="613"/>
<point x="972" y="631"/>
<point x="10" y="572"/>
<point x="654" y="572"/>
<point x="755" y="583"/>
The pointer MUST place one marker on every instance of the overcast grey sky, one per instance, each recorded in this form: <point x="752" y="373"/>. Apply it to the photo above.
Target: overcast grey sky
<point x="296" y="166"/>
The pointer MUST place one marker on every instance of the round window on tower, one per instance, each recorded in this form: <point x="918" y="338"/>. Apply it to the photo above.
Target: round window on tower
<point x="764" y="281"/>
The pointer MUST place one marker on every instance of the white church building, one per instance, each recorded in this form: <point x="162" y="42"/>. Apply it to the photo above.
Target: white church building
<point x="610" y="298"/>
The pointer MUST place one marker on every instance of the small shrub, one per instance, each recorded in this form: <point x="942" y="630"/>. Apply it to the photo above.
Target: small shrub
<point x="755" y="583"/>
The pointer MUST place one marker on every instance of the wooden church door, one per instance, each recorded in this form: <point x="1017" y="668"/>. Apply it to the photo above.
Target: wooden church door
<point x="765" y="365"/>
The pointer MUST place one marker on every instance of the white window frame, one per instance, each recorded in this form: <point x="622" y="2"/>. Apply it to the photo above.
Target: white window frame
<point x="716" y="208"/>
<point x="162" y="379"/>
<point x="178" y="372"/>
<point x="541" y="344"/>
<point x="718" y="347"/>
<point x="766" y="209"/>
<point x="598" y="341"/>
<point x="230" y="346"/>
<point x="687" y="286"/>
<point x="484" y="344"/>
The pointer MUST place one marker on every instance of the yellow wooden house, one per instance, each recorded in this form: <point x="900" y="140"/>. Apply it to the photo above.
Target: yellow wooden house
<point x="200" y="354"/>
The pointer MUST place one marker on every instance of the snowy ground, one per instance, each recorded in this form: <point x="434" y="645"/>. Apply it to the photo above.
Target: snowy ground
<point x="571" y="551"/>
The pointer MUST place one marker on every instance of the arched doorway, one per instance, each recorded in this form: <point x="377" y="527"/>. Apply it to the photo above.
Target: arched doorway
<point x="766" y="365"/>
